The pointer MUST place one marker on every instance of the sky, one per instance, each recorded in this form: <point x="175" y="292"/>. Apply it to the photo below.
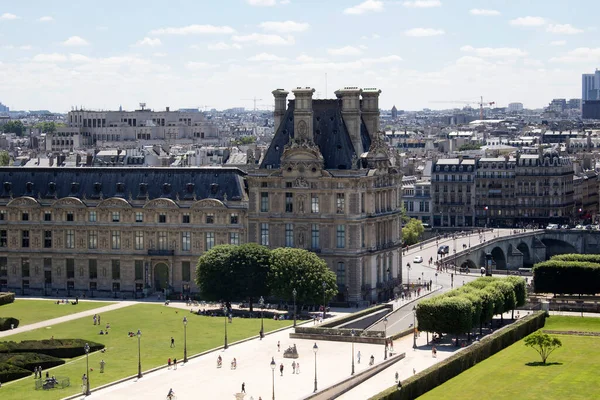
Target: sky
<point x="61" y="54"/>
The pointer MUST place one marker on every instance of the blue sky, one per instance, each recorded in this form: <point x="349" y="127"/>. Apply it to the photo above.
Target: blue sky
<point x="100" y="54"/>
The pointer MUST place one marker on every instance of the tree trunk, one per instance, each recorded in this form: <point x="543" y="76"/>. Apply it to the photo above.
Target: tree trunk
<point x="513" y="314"/>
<point x="481" y="328"/>
<point x="456" y="340"/>
<point x="250" y="304"/>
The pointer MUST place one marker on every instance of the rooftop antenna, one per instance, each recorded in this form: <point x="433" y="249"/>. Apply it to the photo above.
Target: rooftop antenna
<point x="142" y="105"/>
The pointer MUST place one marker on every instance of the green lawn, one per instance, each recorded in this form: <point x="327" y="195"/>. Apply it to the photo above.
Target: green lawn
<point x="157" y="323"/>
<point x="506" y="374"/>
<point x="31" y="311"/>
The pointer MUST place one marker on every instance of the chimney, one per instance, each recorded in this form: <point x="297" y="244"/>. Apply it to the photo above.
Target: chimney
<point x="303" y="114"/>
<point x="350" y="97"/>
<point x="370" y="109"/>
<point x="168" y="109"/>
<point x="280" y="100"/>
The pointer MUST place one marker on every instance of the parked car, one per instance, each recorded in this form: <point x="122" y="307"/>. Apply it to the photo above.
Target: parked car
<point x="444" y="249"/>
<point x="565" y="227"/>
<point x="552" y="226"/>
<point x="579" y="227"/>
<point x="418" y="259"/>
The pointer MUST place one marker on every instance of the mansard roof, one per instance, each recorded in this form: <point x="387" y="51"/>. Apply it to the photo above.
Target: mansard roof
<point x="329" y="134"/>
<point x="128" y="183"/>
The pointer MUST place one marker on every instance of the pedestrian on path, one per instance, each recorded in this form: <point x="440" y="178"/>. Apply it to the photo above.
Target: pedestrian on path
<point x="297" y="368"/>
<point x="293" y="367"/>
<point x="243" y="387"/>
<point x="35" y="373"/>
<point x="95" y="319"/>
<point x="169" y="363"/>
<point x="40" y="371"/>
<point x="278" y="346"/>
<point x="98" y="319"/>
<point x="281" y="369"/>
<point x="358" y="357"/>
<point x="433" y="352"/>
<point x="174" y="363"/>
<point x="172" y="342"/>
<point x="396" y="376"/>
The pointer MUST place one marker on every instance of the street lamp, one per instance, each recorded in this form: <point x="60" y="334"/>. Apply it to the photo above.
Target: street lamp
<point x="315" y="349"/>
<point x="184" y="340"/>
<point x="225" y="313"/>
<point x="324" y="307"/>
<point x="261" y="302"/>
<point x="139" y="336"/>
<point x="385" y="321"/>
<point x="415" y="327"/>
<point x="273" y="375"/>
<point x="294" y="293"/>
<point x="436" y="279"/>
<point x="87" y="366"/>
<point x="352" y="332"/>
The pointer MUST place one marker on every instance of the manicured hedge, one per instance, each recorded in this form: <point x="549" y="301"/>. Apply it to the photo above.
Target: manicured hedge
<point x="61" y="348"/>
<point x="6" y="298"/>
<point x="29" y="361"/>
<point x="567" y="277"/>
<point x="5" y="323"/>
<point x="591" y="258"/>
<point x="439" y="373"/>
<point x="9" y="372"/>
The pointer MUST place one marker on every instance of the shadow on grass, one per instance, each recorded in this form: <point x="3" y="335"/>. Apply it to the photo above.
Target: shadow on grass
<point x="541" y="364"/>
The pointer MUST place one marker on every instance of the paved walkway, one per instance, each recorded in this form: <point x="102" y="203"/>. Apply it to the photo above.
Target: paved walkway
<point x="54" y="321"/>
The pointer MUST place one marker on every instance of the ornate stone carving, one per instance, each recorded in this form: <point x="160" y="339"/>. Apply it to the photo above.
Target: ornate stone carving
<point x="208" y="203"/>
<point x="161" y="203"/>
<point x="24" y="201"/>
<point x="301" y="183"/>
<point x="68" y="202"/>
<point x="114" y="202"/>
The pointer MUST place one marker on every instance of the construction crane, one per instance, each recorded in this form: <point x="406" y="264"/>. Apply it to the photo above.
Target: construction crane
<point x="481" y="103"/>
<point x="254" y="100"/>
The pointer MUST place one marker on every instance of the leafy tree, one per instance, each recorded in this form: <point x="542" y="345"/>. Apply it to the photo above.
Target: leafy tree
<point x="469" y="146"/>
<point x="251" y="262"/>
<point x="214" y="274"/>
<point x="543" y="343"/>
<point x="4" y="158"/>
<point x="48" y="126"/>
<point x="246" y="140"/>
<point x="15" y="127"/>
<point x="301" y="270"/>
<point x="412" y="231"/>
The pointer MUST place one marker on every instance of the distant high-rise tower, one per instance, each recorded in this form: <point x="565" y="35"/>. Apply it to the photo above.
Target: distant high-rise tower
<point x="4" y="108"/>
<point x="590" y="86"/>
<point x="394" y="112"/>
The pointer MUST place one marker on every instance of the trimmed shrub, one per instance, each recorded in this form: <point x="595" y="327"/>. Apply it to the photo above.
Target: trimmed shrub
<point x="9" y="372"/>
<point x="569" y="277"/>
<point x="590" y="258"/>
<point x="439" y="373"/>
<point x="6" y="298"/>
<point x="5" y="323"/>
<point x="520" y="289"/>
<point x="61" y="348"/>
<point x="29" y="361"/>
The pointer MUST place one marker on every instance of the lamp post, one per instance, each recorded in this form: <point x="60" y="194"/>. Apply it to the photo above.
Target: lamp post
<point x="324" y="306"/>
<point x="294" y="294"/>
<point x="139" y="336"/>
<point x="385" y="321"/>
<point x="352" y="332"/>
<point x="87" y="367"/>
<point x="415" y="327"/>
<point x="225" y="313"/>
<point x="273" y="376"/>
<point x="436" y="279"/>
<point x="184" y="340"/>
<point x="261" y="302"/>
<point x="315" y="349"/>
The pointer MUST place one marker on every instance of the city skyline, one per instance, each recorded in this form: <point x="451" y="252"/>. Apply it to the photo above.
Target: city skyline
<point x="200" y="54"/>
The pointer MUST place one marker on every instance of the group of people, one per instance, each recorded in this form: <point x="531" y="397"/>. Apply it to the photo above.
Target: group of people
<point x="37" y="373"/>
<point x="172" y="362"/>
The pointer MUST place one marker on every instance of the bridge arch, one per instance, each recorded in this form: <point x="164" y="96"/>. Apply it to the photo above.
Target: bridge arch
<point x="499" y="257"/>
<point x="470" y="264"/>
<point x="557" y="246"/>
<point x="524" y="248"/>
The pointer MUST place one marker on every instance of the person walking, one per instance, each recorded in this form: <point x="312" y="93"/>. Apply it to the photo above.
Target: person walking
<point x="35" y="372"/>
<point x="297" y="368"/>
<point x="98" y="319"/>
<point x="278" y="346"/>
<point x="243" y="387"/>
<point x="396" y="376"/>
<point x="174" y="363"/>
<point x="358" y="357"/>
<point x="102" y="364"/>
<point x="40" y="371"/>
<point x="95" y="319"/>
<point x="433" y="352"/>
<point x="172" y="342"/>
<point x="293" y="367"/>
<point x="169" y="363"/>
<point x="281" y="369"/>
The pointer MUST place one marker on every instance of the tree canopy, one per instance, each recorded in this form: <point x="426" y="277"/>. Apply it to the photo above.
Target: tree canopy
<point x="412" y="231"/>
<point x="543" y="343"/>
<point x="48" y="126"/>
<point x="15" y="127"/>
<point x="4" y="158"/>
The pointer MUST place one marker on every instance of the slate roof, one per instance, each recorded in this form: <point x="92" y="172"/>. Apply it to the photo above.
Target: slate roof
<point x="330" y="135"/>
<point x="48" y="183"/>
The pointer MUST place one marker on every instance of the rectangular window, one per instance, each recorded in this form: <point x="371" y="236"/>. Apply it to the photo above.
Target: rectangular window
<point x="93" y="216"/>
<point x="70" y="268"/>
<point x="3" y="215"/>
<point x="70" y="239"/>
<point x="139" y="270"/>
<point x="25" y="216"/>
<point x="139" y="217"/>
<point x="139" y="240"/>
<point x="185" y="271"/>
<point x="210" y="240"/>
<point x="116" y="269"/>
<point x="234" y="238"/>
<point x="341" y="236"/>
<point x="233" y="219"/>
<point x="93" y="269"/>
<point x="116" y="216"/>
<point x="185" y="218"/>
<point x="47" y="216"/>
<point x="162" y="241"/>
<point x="340" y="203"/>
<point x="47" y="239"/>
<point x="162" y="218"/>
<point x="24" y="238"/>
<point x="70" y="217"/>
<point x="116" y="240"/>
<point x="3" y="238"/>
<point x="25" y="267"/>
<point x="314" y="236"/>
<point x="289" y="235"/>
<point x="264" y="202"/>
<point x="210" y="218"/>
<point x="264" y="234"/>
<point x="340" y="274"/>
<point x="92" y="240"/>
<point x="3" y="266"/>
<point x="289" y="202"/>
<point x="186" y="241"/>
<point x="362" y="235"/>
<point x="314" y="203"/>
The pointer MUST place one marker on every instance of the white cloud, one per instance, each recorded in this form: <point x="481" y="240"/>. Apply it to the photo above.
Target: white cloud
<point x="194" y="30"/>
<point x="45" y="18"/>
<point x="530" y="62"/>
<point x="80" y="58"/>
<point x="74" y="41"/>
<point x="193" y="65"/>
<point x="284" y="26"/>
<point x="222" y="46"/>
<point x="60" y="58"/>
<point x="558" y="43"/>
<point x="424" y="32"/>
<point x="8" y="16"/>
<point x="528" y="21"/>
<point x="25" y="47"/>
<point x="375" y="36"/>
<point x="264" y="39"/>
<point x="345" y="51"/>
<point x="8" y="47"/>
<point x="497" y="52"/>
<point x="581" y="54"/>
<point x="365" y="7"/>
<point x="422" y="3"/>
<point x="384" y="59"/>
<point x="149" y="42"/>
<point x="563" y="29"/>
<point x="266" y="57"/>
<point x="262" y="3"/>
<point x="303" y="58"/>
<point x="484" y="12"/>
<point x="159" y="54"/>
